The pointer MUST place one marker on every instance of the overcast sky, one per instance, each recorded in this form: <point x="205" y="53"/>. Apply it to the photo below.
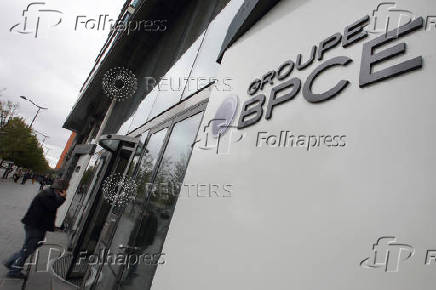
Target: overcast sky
<point x="50" y="68"/>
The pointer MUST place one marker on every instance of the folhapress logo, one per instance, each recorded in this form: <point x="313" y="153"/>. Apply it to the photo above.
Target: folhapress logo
<point x="33" y="15"/>
<point x="219" y="134"/>
<point x="387" y="254"/>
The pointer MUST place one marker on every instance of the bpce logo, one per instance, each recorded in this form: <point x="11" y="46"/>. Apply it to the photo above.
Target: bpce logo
<point x="285" y="88"/>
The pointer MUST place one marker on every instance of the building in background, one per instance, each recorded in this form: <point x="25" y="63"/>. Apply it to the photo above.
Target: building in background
<point x="66" y="149"/>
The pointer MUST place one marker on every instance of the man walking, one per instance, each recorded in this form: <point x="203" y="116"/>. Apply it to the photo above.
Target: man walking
<point x="25" y="177"/>
<point x="39" y="219"/>
<point x="17" y="175"/>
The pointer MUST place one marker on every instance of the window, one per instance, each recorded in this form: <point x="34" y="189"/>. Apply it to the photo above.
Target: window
<point x="149" y="159"/>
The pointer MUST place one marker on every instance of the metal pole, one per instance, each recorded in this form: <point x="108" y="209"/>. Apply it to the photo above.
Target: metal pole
<point x="37" y="112"/>
<point x="36" y="115"/>
<point x="104" y="122"/>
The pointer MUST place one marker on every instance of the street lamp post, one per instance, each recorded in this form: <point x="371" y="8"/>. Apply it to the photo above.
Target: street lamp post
<point x="37" y="112"/>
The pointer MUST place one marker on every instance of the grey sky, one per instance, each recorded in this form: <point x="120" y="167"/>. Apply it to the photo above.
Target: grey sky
<point x="51" y="68"/>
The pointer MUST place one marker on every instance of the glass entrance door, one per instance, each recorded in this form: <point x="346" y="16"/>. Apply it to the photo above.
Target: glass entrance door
<point x="160" y="207"/>
<point x="94" y="218"/>
<point x="142" y="228"/>
<point x="109" y="272"/>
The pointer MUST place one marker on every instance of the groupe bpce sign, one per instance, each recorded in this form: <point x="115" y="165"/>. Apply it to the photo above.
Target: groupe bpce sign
<point x="253" y="109"/>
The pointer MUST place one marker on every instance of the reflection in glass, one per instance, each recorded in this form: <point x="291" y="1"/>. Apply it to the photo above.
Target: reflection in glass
<point x="131" y="217"/>
<point x="138" y="154"/>
<point x="173" y="83"/>
<point x="144" y="109"/>
<point x="124" y="129"/>
<point x="153" y="228"/>
<point x="206" y="68"/>
<point x="148" y="161"/>
<point x="110" y="144"/>
<point x="85" y="183"/>
<point x="135" y="3"/>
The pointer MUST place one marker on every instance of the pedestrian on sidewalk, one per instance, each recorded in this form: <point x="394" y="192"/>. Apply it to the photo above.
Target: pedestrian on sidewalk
<point x="41" y="182"/>
<point x="39" y="218"/>
<point x="17" y="175"/>
<point x="25" y="177"/>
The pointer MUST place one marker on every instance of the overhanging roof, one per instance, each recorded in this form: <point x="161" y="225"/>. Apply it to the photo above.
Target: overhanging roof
<point x="146" y="54"/>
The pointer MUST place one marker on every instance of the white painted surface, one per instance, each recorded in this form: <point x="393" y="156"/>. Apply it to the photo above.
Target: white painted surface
<point x="72" y="188"/>
<point x="305" y="220"/>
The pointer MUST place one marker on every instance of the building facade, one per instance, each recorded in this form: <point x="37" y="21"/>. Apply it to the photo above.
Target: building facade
<point x="269" y="144"/>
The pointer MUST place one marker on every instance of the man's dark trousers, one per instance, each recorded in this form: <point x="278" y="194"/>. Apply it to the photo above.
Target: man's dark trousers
<point x="33" y="240"/>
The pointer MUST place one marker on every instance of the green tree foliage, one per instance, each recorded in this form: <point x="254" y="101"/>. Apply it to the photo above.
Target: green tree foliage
<point x="20" y="145"/>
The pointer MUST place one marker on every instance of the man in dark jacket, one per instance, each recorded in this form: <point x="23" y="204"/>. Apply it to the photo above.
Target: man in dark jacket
<point x="39" y="219"/>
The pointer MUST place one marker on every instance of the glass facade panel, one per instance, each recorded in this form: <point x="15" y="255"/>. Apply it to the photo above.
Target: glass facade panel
<point x="205" y="69"/>
<point x="161" y="204"/>
<point x="171" y="86"/>
<point x="138" y="154"/>
<point x="135" y="3"/>
<point x="132" y="214"/>
<point x="125" y="128"/>
<point x="144" y="109"/>
<point x="196" y="69"/>
<point x="85" y="184"/>
<point x="148" y="161"/>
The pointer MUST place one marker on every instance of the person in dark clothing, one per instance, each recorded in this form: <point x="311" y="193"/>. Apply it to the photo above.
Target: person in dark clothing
<point x="41" y="180"/>
<point x="26" y="176"/>
<point x="39" y="218"/>
<point x="17" y="175"/>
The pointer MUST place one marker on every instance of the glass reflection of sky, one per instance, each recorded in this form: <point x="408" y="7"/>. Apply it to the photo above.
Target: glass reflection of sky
<point x="125" y="128"/>
<point x="144" y="110"/>
<point x="206" y="67"/>
<point x="198" y="64"/>
<point x="173" y="83"/>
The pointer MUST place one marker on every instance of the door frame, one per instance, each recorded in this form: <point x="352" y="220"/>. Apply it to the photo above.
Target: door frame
<point x="168" y="123"/>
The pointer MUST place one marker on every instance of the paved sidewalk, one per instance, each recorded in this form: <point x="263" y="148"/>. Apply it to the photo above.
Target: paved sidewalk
<point x="14" y="201"/>
<point x="41" y="275"/>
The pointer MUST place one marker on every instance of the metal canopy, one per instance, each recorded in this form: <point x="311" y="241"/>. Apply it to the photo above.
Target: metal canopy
<point x="147" y="54"/>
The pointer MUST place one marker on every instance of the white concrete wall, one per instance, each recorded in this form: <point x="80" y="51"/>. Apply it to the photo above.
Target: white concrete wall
<point x="305" y="220"/>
